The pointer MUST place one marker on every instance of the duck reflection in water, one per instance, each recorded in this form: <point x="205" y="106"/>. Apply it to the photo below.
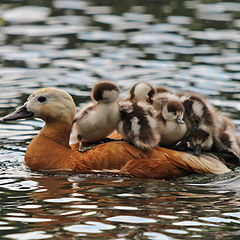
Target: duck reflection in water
<point x="64" y="202"/>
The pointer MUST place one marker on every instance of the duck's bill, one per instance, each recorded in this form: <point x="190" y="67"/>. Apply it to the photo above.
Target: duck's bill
<point x="20" y="113"/>
<point x="179" y="120"/>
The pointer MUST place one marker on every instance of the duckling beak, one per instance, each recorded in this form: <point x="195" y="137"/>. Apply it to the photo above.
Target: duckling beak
<point x="20" y="113"/>
<point x="179" y="120"/>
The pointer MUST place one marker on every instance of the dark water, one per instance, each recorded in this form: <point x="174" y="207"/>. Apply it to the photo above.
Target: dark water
<point x="183" y="45"/>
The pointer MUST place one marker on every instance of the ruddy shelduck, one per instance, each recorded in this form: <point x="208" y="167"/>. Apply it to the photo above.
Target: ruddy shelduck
<point x="50" y="149"/>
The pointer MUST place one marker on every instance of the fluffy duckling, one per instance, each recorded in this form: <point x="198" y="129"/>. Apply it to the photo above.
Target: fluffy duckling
<point x="225" y="139"/>
<point x="200" y="117"/>
<point x="99" y="118"/>
<point x="138" y="124"/>
<point x="171" y="124"/>
<point x="143" y="92"/>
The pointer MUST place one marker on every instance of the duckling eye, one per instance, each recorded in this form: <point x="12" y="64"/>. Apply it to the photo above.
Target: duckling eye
<point x="42" y="99"/>
<point x="174" y="113"/>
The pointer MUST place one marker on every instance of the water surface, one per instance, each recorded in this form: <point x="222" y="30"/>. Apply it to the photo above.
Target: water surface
<point x="182" y="45"/>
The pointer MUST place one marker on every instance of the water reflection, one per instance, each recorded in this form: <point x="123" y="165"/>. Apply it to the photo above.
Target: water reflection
<point x="182" y="45"/>
<point x="101" y="207"/>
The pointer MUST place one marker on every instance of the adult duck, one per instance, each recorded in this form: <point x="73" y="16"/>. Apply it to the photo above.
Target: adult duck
<point x="50" y="149"/>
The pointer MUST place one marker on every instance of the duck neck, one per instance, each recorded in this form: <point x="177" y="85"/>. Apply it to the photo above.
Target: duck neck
<point x="58" y="132"/>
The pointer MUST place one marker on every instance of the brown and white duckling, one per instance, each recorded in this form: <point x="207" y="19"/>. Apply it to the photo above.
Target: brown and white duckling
<point x="138" y="124"/>
<point x="171" y="124"/>
<point x="99" y="118"/>
<point x="200" y="117"/>
<point x="141" y="92"/>
<point x="225" y="139"/>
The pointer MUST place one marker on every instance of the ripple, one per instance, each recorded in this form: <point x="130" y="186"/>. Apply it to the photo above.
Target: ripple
<point x="90" y="227"/>
<point x="28" y="219"/>
<point x="156" y="38"/>
<point x="92" y="10"/>
<point x="176" y="231"/>
<point x="219" y="7"/>
<point x="125" y="208"/>
<point x="42" y="31"/>
<point x="217" y="35"/>
<point x="74" y="5"/>
<point x="131" y="219"/>
<point x="84" y="206"/>
<point x="157" y="236"/>
<point x="64" y="200"/>
<point x="21" y="185"/>
<point x="138" y="17"/>
<point x="26" y="14"/>
<point x="29" y="236"/>
<point x="102" y="36"/>
<point x="30" y="206"/>
<point x="218" y="220"/>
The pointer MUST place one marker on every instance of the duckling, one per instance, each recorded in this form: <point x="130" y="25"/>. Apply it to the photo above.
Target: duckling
<point x="99" y="118"/>
<point x="138" y="124"/>
<point x="200" y="117"/>
<point x="143" y="92"/>
<point x="225" y="139"/>
<point x="171" y="124"/>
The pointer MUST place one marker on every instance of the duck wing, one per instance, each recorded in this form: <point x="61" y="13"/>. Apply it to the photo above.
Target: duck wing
<point x="159" y="163"/>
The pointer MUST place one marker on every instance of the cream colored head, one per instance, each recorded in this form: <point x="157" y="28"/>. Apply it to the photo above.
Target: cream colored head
<point x="173" y="111"/>
<point x="51" y="105"/>
<point x="142" y="92"/>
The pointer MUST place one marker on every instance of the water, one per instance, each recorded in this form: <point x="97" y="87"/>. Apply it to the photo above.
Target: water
<point x="182" y="45"/>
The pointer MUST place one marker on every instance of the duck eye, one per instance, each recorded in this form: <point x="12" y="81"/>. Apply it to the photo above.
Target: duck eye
<point x="42" y="99"/>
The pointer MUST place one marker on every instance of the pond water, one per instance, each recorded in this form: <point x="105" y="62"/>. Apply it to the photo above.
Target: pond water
<point x="182" y="45"/>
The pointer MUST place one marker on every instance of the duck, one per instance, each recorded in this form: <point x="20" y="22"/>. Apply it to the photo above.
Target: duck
<point x="50" y="151"/>
<point x="225" y="138"/>
<point x="144" y="92"/>
<point x="141" y="91"/>
<point x="138" y="124"/>
<point x="200" y="117"/>
<point x="99" y="118"/>
<point x="170" y="116"/>
<point x="171" y="124"/>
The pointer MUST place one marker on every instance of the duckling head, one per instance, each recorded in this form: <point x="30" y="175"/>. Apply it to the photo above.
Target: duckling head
<point x="142" y="92"/>
<point x="105" y="92"/>
<point x="173" y="111"/>
<point x="49" y="104"/>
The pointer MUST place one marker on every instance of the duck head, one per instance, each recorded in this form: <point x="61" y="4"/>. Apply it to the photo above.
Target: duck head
<point x="49" y="104"/>
<point x="143" y="92"/>
<point x="173" y="111"/>
<point x="105" y="92"/>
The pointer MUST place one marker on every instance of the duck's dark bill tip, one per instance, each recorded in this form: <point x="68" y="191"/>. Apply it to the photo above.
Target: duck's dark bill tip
<point x="20" y="113"/>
